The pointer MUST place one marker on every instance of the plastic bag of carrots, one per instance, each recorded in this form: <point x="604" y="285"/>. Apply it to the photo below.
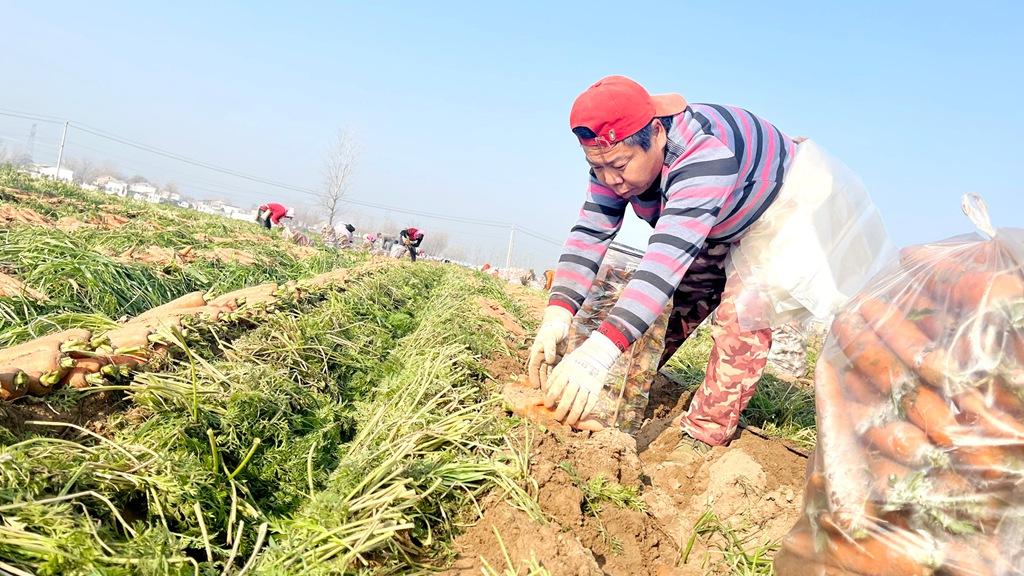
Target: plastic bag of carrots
<point x="628" y="384"/>
<point x="919" y="466"/>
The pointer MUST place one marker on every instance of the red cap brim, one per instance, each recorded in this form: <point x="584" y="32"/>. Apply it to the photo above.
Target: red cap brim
<point x="668" y="104"/>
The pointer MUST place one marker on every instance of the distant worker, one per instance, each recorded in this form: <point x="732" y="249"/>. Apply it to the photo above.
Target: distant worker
<point x="345" y="234"/>
<point x="411" y="239"/>
<point x="272" y="213"/>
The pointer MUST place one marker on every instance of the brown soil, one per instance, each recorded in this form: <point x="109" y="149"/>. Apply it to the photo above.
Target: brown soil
<point x="71" y="224"/>
<point x="11" y="286"/>
<point x="158" y="255"/>
<point x="91" y="412"/>
<point x="495" y="310"/>
<point x="752" y="487"/>
<point x="12" y="215"/>
<point x="108" y="221"/>
<point x="230" y="255"/>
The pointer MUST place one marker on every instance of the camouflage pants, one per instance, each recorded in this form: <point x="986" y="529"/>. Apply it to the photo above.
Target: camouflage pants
<point x="738" y="357"/>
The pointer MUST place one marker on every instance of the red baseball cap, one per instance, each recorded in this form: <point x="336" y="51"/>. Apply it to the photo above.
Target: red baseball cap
<point x="616" y="107"/>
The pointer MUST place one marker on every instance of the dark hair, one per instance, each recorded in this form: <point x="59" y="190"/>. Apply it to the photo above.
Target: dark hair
<point x="641" y="138"/>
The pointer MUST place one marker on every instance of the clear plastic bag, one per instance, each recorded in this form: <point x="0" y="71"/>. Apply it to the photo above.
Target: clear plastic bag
<point x="919" y="466"/>
<point x="812" y="249"/>
<point x="628" y="384"/>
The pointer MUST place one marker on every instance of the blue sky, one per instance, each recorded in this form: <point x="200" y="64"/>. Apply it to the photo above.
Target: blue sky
<point x="461" y="107"/>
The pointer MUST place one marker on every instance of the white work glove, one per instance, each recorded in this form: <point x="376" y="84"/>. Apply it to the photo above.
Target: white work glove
<point x="554" y="329"/>
<point x="575" y="384"/>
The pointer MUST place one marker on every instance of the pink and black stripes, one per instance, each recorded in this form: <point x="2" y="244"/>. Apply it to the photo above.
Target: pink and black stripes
<point x="723" y="167"/>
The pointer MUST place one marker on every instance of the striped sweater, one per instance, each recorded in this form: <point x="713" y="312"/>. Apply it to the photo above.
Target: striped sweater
<point x="723" y="167"/>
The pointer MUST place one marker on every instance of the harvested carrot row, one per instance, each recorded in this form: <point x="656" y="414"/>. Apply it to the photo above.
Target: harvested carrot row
<point x="190" y="300"/>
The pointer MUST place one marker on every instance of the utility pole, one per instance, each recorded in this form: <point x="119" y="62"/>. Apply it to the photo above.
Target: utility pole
<point x="60" y="151"/>
<point x="511" y="242"/>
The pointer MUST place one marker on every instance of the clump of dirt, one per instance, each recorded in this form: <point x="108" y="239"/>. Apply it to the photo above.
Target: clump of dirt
<point x="14" y="215"/>
<point x="495" y="310"/>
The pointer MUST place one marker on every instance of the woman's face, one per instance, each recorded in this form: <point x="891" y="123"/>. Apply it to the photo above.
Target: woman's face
<point x="629" y="170"/>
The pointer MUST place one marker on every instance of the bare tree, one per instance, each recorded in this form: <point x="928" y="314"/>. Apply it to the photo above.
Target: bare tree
<point x="338" y="168"/>
<point x="84" y="169"/>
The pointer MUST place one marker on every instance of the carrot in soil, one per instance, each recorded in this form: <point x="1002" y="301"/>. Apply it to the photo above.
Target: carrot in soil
<point x="910" y="345"/>
<point x="844" y="463"/>
<point x="872" y="358"/>
<point x="932" y="414"/>
<point x="903" y="442"/>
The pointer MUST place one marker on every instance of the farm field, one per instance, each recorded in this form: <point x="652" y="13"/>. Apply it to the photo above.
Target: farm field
<point x="304" y="410"/>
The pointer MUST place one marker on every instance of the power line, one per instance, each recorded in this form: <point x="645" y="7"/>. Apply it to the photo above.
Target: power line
<point x="26" y="116"/>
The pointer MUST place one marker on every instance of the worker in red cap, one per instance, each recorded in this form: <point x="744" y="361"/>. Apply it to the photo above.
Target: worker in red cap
<point x="411" y="238"/>
<point x="714" y="183"/>
<point x="272" y="213"/>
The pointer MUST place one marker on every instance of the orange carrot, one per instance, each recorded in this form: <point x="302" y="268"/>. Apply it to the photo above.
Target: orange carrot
<point x="974" y="290"/>
<point x="909" y="344"/>
<point x="886" y="472"/>
<point x="190" y="300"/>
<point x="1003" y="396"/>
<point x="857" y="388"/>
<point x="926" y="315"/>
<point x="932" y="414"/>
<point x="987" y="462"/>
<point x="129" y="336"/>
<point x="901" y="441"/>
<point x="83" y="367"/>
<point x="253" y="292"/>
<point x="843" y="461"/>
<point x="974" y="556"/>
<point x="991" y="420"/>
<point x="875" y="362"/>
<point x="11" y="386"/>
<point x="887" y="554"/>
<point x="9" y="356"/>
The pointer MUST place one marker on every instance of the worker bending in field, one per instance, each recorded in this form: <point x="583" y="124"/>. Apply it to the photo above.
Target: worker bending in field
<point x="712" y="181"/>
<point x="272" y="213"/>
<point x="411" y="238"/>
